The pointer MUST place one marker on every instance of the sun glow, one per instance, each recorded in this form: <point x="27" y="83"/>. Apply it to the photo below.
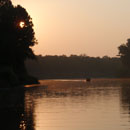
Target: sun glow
<point x="22" y="24"/>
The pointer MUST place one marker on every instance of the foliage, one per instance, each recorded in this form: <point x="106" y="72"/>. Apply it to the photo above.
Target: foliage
<point x="124" y="53"/>
<point x="15" y="40"/>
<point x="74" y="66"/>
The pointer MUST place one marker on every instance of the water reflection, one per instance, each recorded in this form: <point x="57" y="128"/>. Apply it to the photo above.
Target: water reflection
<point x="67" y="105"/>
<point x="125" y="103"/>
<point x="13" y="112"/>
<point x="125" y="96"/>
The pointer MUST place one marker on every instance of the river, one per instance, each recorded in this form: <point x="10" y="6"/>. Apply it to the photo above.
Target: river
<point x="102" y="104"/>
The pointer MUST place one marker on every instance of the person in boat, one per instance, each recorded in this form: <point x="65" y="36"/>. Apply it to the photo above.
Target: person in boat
<point x="88" y="79"/>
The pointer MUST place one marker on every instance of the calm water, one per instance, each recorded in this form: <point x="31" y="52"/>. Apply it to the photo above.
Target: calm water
<point x="102" y="104"/>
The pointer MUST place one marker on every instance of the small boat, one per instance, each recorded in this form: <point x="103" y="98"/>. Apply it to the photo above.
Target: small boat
<point x="88" y="79"/>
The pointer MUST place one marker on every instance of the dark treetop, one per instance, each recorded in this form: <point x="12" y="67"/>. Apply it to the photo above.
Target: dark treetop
<point x="124" y="53"/>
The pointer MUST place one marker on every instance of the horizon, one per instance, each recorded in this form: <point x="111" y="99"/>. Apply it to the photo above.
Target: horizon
<point x="79" y="27"/>
<point x="84" y="55"/>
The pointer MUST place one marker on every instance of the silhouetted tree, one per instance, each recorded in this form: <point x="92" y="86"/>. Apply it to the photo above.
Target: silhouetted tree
<point x="16" y="37"/>
<point x="124" y="53"/>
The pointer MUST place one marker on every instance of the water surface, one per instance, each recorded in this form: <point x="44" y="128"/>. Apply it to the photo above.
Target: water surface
<point x="102" y="104"/>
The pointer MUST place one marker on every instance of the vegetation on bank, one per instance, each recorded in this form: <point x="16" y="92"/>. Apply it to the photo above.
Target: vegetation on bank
<point x="124" y="53"/>
<point x="82" y="66"/>
<point x="75" y="67"/>
<point x="16" y="39"/>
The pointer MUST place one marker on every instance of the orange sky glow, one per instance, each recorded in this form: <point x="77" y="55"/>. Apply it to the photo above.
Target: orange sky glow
<point x="94" y="28"/>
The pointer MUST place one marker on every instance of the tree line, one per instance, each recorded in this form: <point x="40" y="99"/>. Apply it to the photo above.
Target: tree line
<point x="82" y="66"/>
<point x="75" y="66"/>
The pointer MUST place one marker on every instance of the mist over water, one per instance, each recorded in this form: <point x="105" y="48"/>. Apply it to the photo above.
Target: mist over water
<point x="102" y="104"/>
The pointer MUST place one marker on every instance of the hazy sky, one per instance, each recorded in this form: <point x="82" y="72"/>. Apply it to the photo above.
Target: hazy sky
<point x="92" y="27"/>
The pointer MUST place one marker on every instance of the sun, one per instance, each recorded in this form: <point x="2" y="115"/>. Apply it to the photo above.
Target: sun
<point x="21" y="24"/>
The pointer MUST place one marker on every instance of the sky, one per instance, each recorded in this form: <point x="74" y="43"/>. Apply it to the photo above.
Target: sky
<point x="91" y="27"/>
